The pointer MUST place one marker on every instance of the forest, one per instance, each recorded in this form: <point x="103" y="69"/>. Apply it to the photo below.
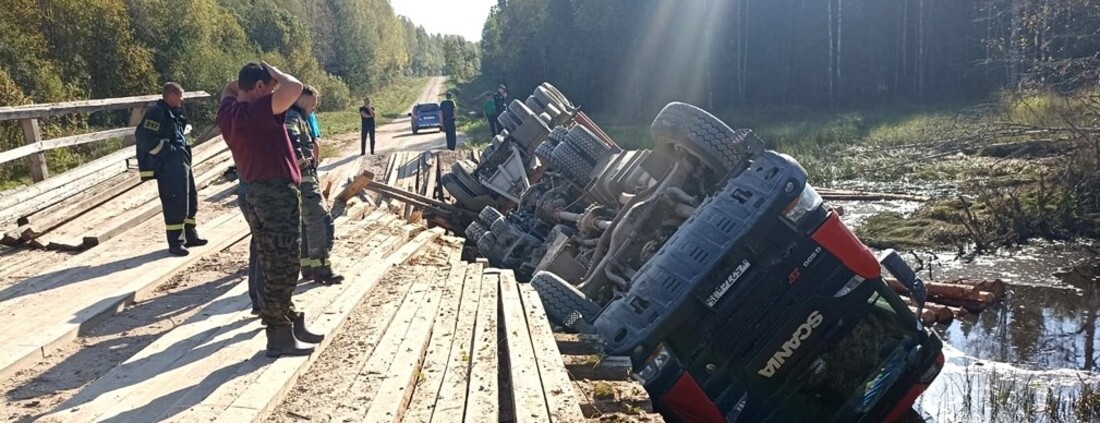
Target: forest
<point x="59" y="50"/>
<point x="635" y="55"/>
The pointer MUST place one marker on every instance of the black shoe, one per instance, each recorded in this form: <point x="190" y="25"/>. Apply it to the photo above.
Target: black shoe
<point x="191" y="237"/>
<point x="328" y="279"/>
<point x="178" y="250"/>
<point x="281" y="341"/>
<point x="255" y="311"/>
<point x="301" y="332"/>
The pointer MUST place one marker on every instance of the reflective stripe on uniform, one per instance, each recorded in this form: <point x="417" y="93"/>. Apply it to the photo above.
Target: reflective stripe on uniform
<point x="309" y="178"/>
<point x="316" y="263"/>
<point x="160" y="146"/>
<point x="189" y="221"/>
<point x="305" y="262"/>
<point x="176" y="227"/>
<point x="147" y="174"/>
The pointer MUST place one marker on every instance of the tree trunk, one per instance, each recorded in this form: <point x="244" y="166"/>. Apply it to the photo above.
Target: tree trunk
<point x="832" y="53"/>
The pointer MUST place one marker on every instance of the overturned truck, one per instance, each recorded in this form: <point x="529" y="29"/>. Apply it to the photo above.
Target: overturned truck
<point x="708" y="259"/>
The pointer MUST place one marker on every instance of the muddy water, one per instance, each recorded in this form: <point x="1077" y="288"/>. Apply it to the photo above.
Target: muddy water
<point x="1031" y="358"/>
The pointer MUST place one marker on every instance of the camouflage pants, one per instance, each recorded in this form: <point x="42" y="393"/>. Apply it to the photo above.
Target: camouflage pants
<point x="317" y="227"/>
<point x="273" y="212"/>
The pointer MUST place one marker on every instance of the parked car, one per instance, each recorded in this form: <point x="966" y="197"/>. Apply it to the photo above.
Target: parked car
<point x="709" y="260"/>
<point x="426" y="115"/>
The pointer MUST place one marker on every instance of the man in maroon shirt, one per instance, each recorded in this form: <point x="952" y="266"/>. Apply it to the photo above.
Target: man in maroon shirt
<point x="251" y="121"/>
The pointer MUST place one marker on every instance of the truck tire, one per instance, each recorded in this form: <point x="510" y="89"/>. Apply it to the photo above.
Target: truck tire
<point x="464" y="172"/>
<point x="508" y="121"/>
<point x="545" y="151"/>
<point x="457" y="190"/>
<point x="475" y="230"/>
<point x="704" y="136"/>
<point x="588" y="143"/>
<point x="567" y="159"/>
<point x="565" y="305"/>
<point x="488" y="247"/>
<point x="489" y="215"/>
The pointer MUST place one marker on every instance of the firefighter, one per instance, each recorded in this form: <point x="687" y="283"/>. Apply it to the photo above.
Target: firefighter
<point x="316" y="221"/>
<point x="164" y="154"/>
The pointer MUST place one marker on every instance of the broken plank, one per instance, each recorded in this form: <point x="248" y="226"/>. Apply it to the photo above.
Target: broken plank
<point x="561" y="400"/>
<point x="528" y="399"/>
<point x="579" y="343"/>
<point x="483" y="397"/>
<point x="449" y="405"/>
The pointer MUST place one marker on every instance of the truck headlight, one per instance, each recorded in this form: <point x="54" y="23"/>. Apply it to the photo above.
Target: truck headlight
<point x="653" y="365"/>
<point x="806" y="202"/>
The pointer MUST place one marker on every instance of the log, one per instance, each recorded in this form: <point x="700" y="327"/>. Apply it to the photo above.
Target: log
<point x="941" y="313"/>
<point x="839" y="195"/>
<point x="926" y="316"/>
<point x="358" y="184"/>
<point x="950" y="290"/>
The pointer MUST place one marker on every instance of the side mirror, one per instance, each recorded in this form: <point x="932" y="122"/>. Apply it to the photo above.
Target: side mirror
<point x="410" y="114"/>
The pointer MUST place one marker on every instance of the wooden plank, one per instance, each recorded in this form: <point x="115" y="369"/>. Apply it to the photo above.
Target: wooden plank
<point x="419" y="404"/>
<point x="366" y="385"/>
<point x="270" y="388"/>
<point x="598" y="367"/>
<point x="528" y="400"/>
<point x="41" y="146"/>
<point x="482" y="396"/>
<point x="395" y="392"/>
<point x="435" y="363"/>
<point x="561" y="399"/>
<point x="119" y="215"/>
<point x="449" y="405"/>
<point x="213" y="348"/>
<point x="82" y="295"/>
<point x="31" y="111"/>
<point x="22" y="201"/>
<point x="76" y="206"/>
<point x="579" y="344"/>
<point x="32" y="135"/>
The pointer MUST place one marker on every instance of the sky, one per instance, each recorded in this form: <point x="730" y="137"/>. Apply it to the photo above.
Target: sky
<point x="462" y="17"/>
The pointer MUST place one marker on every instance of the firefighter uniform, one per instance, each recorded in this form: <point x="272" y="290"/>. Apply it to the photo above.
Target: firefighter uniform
<point x="317" y="223"/>
<point x="164" y="154"/>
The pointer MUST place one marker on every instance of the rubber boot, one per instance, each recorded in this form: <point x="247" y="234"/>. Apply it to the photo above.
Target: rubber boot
<point x="175" y="243"/>
<point x="301" y="332"/>
<point x="307" y="269"/>
<point x="324" y="276"/>
<point x="281" y="341"/>
<point x="191" y="237"/>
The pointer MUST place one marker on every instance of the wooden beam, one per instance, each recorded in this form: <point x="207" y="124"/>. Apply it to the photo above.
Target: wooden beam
<point x="42" y="146"/>
<point x="32" y="135"/>
<point x="449" y="405"/>
<point x="579" y="344"/>
<point x="561" y="399"/>
<point x="25" y="200"/>
<point x="598" y="367"/>
<point x="34" y="111"/>
<point x="528" y="400"/>
<point x="482" y="395"/>
<point x="71" y="208"/>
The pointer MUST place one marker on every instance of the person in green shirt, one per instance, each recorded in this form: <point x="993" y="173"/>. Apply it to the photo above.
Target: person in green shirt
<point x="490" y="109"/>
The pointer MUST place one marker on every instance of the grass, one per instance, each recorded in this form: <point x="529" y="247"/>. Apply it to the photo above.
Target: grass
<point x="389" y="103"/>
<point x="603" y="390"/>
<point x="471" y="119"/>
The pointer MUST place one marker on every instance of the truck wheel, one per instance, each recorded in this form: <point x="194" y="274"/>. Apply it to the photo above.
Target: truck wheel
<point x="475" y="231"/>
<point x="704" y="136"/>
<point x="545" y="150"/>
<point x="565" y="304"/>
<point x="464" y="172"/>
<point x="509" y="121"/>
<point x="489" y="215"/>
<point x="489" y="247"/>
<point x="572" y="163"/>
<point x="457" y="190"/>
<point x="588" y="143"/>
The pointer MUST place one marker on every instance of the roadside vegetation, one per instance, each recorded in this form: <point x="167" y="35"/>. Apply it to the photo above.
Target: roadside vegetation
<point x="389" y="103"/>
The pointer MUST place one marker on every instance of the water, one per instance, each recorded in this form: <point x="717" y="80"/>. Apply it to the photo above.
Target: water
<point x="1031" y="358"/>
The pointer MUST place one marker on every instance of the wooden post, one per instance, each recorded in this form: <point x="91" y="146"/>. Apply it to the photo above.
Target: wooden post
<point x="136" y="114"/>
<point x="36" y="161"/>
